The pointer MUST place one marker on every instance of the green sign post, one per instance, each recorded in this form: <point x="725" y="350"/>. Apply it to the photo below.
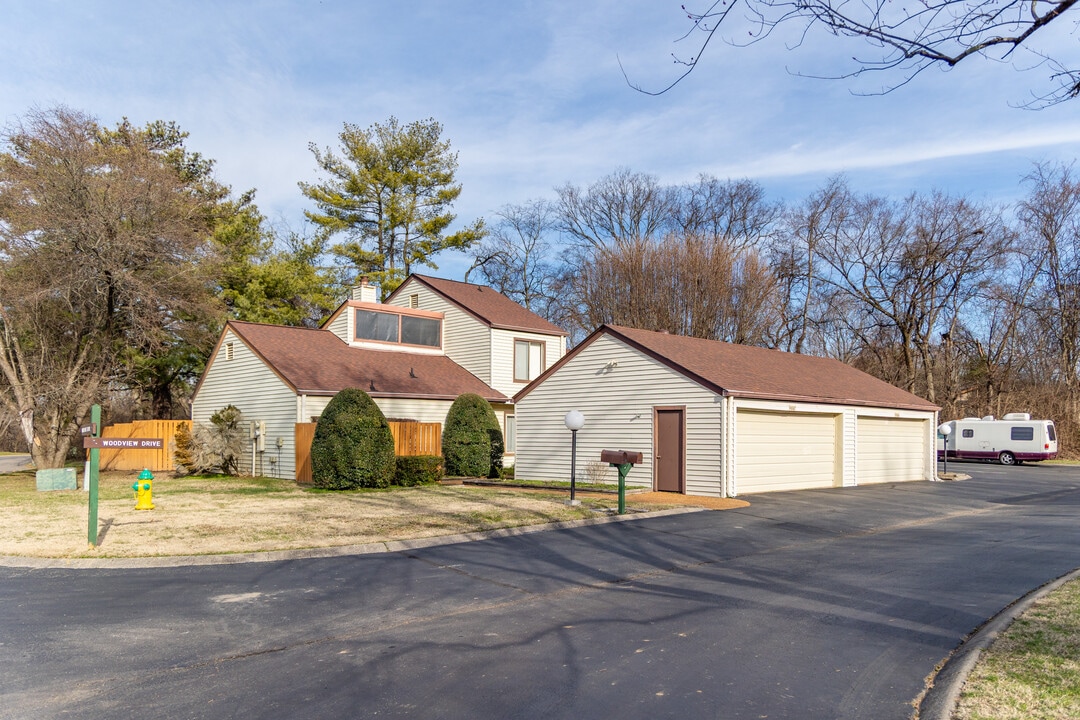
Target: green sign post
<point x="92" y="477"/>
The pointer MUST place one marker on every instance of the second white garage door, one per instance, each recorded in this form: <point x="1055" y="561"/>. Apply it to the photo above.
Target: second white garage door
<point x="890" y="450"/>
<point x="785" y="451"/>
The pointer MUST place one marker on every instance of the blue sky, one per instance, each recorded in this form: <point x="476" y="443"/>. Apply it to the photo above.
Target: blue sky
<point x="530" y="94"/>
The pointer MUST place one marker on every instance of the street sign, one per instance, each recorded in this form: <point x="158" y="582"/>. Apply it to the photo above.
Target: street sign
<point x="90" y="429"/>
<point x="123" y="443"/>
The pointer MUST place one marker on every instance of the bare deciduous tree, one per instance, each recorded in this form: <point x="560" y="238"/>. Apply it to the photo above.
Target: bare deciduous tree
<point x="102" y="238"/>
<point x="913" y="266"/>
<point x="903" y="39"/>
<point x="516" y="256"/>
<point x="1050" y="217"/>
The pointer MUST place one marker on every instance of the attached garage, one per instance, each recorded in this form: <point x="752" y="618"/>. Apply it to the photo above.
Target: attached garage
<point x="786" y="451"/>
<point x="890" y="449"/>
<point x="718" y="419"/>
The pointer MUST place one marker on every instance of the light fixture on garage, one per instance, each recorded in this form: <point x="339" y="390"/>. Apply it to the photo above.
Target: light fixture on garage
<point x="574" y="421"/>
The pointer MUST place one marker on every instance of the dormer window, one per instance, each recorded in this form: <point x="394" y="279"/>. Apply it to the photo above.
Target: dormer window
<point x="389" y="327"/>
<point x="420" y="331"/>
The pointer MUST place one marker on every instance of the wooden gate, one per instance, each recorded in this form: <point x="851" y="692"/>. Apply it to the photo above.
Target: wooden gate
<point x="410" y="438"/>
<point x="305" y="432"/>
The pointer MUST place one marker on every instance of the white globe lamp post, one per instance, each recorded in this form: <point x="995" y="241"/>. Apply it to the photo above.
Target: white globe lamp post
<point x="574" y="422"/>
<point x="945" y="429"/>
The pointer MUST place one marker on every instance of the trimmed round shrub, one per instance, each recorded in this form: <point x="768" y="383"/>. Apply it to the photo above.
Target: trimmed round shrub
<point x="418" y="470"/>
<point x="472" y="441"/>
<point x="352" y="447"/>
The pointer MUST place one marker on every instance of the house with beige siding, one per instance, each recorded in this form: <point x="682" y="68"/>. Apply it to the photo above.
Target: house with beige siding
<point x="496" y="339"/>
<point x="719" y="419"/>
<point x="413" y="358"/>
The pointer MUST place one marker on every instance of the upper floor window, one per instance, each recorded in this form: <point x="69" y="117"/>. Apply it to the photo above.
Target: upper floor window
<point x="528" y="360"/>
<point x="394" y="328"/>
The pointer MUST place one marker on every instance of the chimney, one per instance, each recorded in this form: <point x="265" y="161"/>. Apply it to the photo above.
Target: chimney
<point x="364" y="291"/>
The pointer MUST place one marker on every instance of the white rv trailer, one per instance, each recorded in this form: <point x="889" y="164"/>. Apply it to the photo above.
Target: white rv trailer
<point x="1015" y="438"/>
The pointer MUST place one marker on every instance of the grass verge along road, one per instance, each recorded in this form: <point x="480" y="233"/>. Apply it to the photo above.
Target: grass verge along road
<point x="209" y="515"/>
<point x="1032" y="671"/>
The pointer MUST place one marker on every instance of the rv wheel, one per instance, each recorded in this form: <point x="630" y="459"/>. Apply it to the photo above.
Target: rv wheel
<point x="1007" y="458"/>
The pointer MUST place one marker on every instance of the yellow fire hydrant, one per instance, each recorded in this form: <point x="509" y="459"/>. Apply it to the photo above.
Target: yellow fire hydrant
<point x="143" y="488"/>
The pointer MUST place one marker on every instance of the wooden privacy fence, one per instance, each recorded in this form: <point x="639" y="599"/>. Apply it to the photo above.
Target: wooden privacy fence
<point x="155" y="460"/>
<point x="410" y="438"/>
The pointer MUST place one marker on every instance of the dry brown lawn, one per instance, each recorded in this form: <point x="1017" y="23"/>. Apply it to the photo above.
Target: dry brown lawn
<point x="198" y="516"/>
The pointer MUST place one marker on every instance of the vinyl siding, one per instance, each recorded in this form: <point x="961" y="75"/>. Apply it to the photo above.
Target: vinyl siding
<point x="466" y="340"/>
<point x="341" y="326"/>
<point x="850" y="440"/>
<point x="259" y="394"/>
<point x="428" y="411"/>
<point x="502" y="357"/>
<point x="618" y="406"/>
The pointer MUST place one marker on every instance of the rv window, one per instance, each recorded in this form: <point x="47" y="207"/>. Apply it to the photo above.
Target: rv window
<point x="969" y="433"/>
<point x="1050" y="432"/>
<point x="1022" y="433"/>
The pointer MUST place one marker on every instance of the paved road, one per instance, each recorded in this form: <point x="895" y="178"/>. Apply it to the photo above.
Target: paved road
<point x="814" y="604"/>
<point x="11" y="463"/>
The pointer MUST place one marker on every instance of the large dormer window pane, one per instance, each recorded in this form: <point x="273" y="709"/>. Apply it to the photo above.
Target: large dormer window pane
<point x="376" y="326"/>
<point x="420" y="331"/>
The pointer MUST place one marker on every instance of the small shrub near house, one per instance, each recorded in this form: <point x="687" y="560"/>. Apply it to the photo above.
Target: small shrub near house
<point x="352" y="447"/>
<point x="472" y="441"/>
<point x="418" y="470"/>
<point x="216" y="447"/>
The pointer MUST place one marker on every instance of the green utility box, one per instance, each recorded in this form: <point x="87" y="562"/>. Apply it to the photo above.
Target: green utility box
<point x="57" y="479"/>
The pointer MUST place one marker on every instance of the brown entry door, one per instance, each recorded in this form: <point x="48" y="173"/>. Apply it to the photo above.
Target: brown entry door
<point x="670" y="448"/>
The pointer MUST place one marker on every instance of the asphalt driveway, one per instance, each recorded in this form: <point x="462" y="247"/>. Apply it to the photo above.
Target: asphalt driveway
<point x="813" y="604"/>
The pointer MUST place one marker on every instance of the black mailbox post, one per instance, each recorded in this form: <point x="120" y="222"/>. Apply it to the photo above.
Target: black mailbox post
<point x="623" y="460"/>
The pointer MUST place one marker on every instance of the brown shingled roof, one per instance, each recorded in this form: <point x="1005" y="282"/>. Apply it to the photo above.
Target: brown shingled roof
<point x="754" y="372"/>
<point x="486" y="304"/>
<point x="317" y="362"/>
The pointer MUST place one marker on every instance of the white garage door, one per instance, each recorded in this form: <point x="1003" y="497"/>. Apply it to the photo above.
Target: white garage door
<point x="890" y="450"/>
<point x="784" y="451"/>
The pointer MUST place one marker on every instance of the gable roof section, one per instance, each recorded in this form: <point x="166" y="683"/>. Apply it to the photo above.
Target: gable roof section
<point x="317" y="362"/>
<point x="753" y="372"/>
<point x="486" y="304"/>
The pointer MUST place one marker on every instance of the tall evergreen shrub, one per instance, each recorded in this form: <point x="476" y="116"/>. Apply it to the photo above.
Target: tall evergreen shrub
<point x="352" y="447"/>
<point x="472" y="441"/>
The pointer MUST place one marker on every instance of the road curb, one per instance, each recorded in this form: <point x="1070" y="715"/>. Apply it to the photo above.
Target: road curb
<point x="939" y="701"/>
<point x="325" y="552"/>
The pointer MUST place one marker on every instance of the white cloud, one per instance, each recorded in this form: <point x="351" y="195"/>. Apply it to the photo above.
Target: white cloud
<point x="530" y="94"/>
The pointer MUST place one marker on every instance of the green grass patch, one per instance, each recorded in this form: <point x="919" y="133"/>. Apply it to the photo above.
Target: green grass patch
<point x="1032" y="671"/>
